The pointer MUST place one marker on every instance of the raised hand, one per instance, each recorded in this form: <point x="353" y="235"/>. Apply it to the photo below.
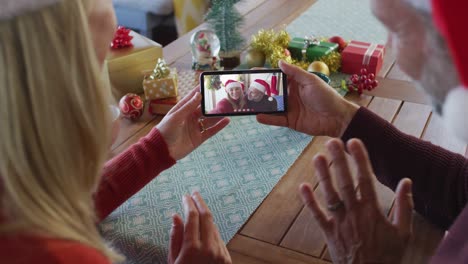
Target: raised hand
<point x="314" y="107"/>
<point x="355" y="228"/>
<point x="197" y="241"/>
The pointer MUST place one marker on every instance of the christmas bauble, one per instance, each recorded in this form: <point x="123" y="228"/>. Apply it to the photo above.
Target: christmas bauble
<point x="254" y="58"/>
<point x="319" y="66"/>
<point x="131" y="106"/>
<point x="340" y="41"/>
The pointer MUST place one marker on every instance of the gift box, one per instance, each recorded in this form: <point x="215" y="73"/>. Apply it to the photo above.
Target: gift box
<point x="358" y="55"/>
<point x="160" y="88"/>
<point x="126" y="66"/>
<point x="312" y="49"/>
<point x="162" y="106"/>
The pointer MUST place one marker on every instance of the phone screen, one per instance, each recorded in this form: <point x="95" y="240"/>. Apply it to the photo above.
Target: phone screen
<point x="245" y="92"/>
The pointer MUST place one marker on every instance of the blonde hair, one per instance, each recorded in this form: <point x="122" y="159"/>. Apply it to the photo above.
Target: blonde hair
<point x="55" y="125"/>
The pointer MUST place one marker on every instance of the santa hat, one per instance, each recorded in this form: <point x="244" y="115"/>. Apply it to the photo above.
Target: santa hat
<point x="449" y="17"/>
<point x="232" y="83"/>
<point x="13" y="8"/>
<point x="264" y="87"/>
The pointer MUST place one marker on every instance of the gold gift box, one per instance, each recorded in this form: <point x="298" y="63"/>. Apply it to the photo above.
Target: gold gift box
<point x="161" y="88"/>
<point x="126" y="66"/>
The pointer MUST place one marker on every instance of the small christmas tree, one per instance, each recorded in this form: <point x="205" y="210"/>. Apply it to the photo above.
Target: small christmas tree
<point x="225" y="21"/>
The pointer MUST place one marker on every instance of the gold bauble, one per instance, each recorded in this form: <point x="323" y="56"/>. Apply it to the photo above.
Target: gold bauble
<point x="319" y="66"/>
<point x="254" y="58"/>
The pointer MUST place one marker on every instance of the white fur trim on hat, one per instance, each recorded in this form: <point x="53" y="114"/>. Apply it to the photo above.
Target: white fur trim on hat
<point x="13" y="8"/>
<point x="233" y="84"/>
<point x="258" y="86"/>
<point x="455" y="112"/>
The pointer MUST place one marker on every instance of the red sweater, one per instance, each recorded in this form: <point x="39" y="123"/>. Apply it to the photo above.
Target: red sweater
<point x="123" y="176"/>
<point x="225" y="107"/>
<point x="440" y="178"/>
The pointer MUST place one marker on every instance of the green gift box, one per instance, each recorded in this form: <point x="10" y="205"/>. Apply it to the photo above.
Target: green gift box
<point x="309" y="49"/>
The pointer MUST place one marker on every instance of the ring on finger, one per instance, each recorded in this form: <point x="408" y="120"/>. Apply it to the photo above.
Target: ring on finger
<point x="202" y="126"/>
<point x="336" y="206"/>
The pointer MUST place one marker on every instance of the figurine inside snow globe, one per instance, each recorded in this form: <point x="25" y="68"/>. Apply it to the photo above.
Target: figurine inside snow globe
<point x="205" y="49"/>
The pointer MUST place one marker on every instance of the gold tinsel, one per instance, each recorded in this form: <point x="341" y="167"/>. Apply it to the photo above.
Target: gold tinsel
<point x="333" y="61"/>
<point x="273" y="45"/>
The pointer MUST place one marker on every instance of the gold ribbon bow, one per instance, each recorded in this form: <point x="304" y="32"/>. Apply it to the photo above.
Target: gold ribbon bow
<point x="161" y="70"/>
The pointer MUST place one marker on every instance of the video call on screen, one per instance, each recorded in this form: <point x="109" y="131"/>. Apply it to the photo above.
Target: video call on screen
<point x="245" y="93"/>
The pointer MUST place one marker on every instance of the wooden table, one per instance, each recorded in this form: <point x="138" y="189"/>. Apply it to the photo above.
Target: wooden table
<point x="281" y="230"/>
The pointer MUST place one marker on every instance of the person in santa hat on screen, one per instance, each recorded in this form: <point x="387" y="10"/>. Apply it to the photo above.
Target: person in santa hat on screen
<point x="430" y="39"/>
<point x="234" y="102"/>
<point x="259" y="97"/>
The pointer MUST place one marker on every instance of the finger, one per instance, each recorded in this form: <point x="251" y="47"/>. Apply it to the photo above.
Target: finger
<point x="207" y="230"/>
<point x="190" y="106"/>
<point x="403" y="217"/>
<point x="365" y="174"/>
<point x="192" y="221"/>
<point x="273" y="120"/>
<point x="176" y="237"/>
<point x="213" y="130"/>
<point x="342" y="172"/>
<point x="326" y="185"/>
<point x="309" y="200"/>
<point x="295" y="73"/>
<point x="212" y="121"/>
<point x="184" y="100"/>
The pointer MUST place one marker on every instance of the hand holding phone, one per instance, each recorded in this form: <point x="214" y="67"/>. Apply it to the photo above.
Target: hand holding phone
<point x="243" y="92"/>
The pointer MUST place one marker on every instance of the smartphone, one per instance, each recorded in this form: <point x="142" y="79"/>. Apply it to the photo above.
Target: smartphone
<point x="243" y="92"/>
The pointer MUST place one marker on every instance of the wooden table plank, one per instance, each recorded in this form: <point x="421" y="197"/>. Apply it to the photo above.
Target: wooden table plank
<point x="269" y="253"/>
<point x="398" y="90"/>
<point x="397" y="74"/>
<point x="439" y="135"/>
<point x="274" y="216"/>
<point x="412" y="118"/>
<point x="385" y="108"/>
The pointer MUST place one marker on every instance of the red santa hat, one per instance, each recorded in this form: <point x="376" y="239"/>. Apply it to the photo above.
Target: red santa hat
<point x="13" y="8"/>
<point x="450" y="16"/>
<point x="233" y="83"/>
<point x="264" y="87"/>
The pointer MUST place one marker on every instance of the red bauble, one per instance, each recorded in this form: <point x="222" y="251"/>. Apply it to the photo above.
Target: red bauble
<point x="340" y="41"/>
<point x="131" y="106"/>
<point x="287" y="53"/>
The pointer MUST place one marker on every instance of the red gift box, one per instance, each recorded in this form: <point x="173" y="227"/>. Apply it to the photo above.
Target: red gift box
<point x="358" y="55"/>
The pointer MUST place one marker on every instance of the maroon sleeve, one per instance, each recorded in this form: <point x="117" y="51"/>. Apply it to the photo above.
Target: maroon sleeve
<point x="128" y="172"/>
<point x="439" y="176"/>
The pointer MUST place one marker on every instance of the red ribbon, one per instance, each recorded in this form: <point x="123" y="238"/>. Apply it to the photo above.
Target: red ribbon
<point x="122" y="38"/>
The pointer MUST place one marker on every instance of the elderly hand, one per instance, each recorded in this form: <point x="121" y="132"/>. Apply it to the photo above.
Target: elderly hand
<point x="198" y="241"/>
<point x="184" y="129"/>
<point x="356" y="231"/>
<point x="314" y="107"/>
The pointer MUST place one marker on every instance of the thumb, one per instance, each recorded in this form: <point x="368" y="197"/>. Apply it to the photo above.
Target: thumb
<point x="295" y="73"/>
<point x="176" y="238"/>
<point x="190" y="106"/>
<point x="273" y="120"/>
<point x="403" y="217"/>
